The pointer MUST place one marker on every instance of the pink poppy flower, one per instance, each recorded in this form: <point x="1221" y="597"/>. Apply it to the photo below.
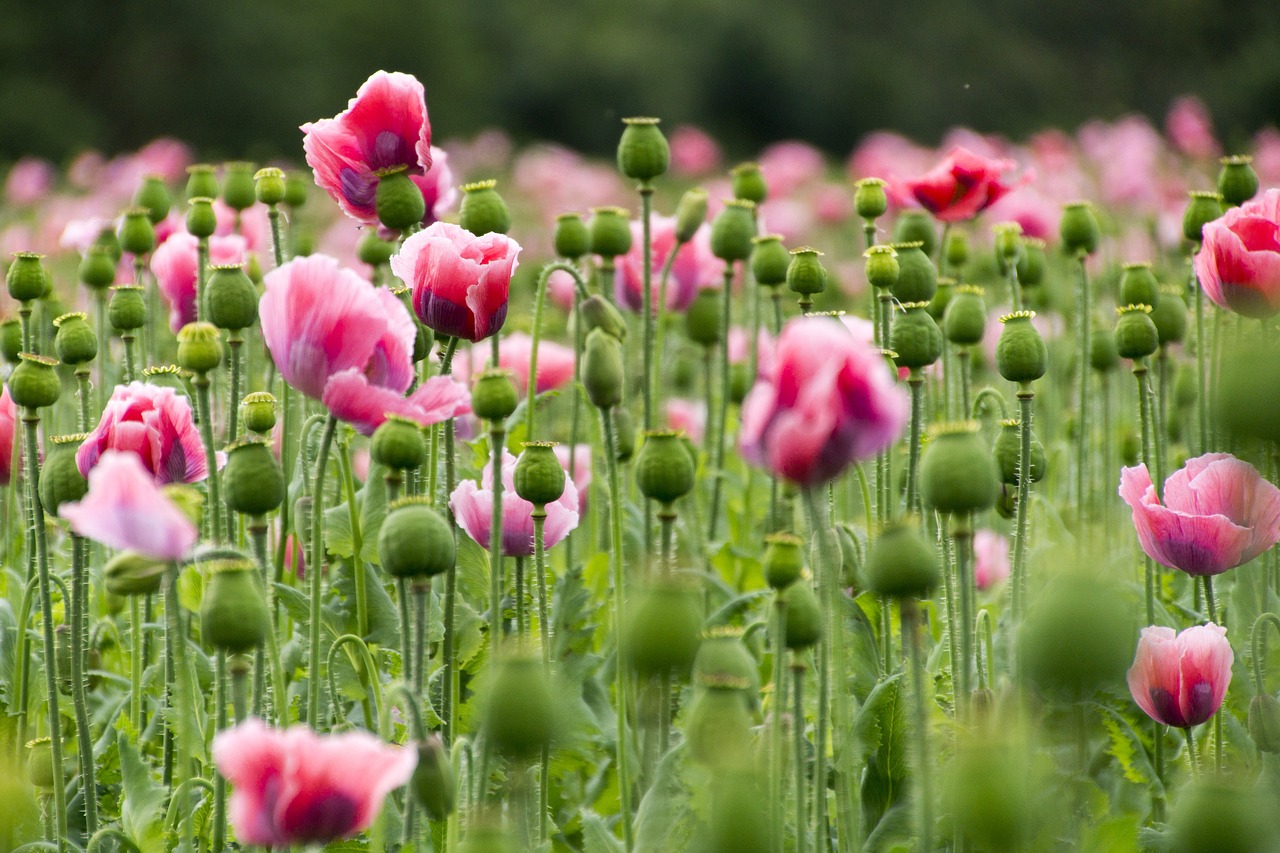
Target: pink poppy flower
<point x="29" y="180"/>
<point x="1126" y="155"/>
<point x="1179" y="679"/>
<point x="438" y="187"/>
<point x="175" y="264"/>
<point x="789" y="165"/>
<point x="1190" y="128"/>
<point x="251" y="223"/>
<point x="962" y="185"/>
<point x="125" y="509"/>
<point x="581" y="455"/>
<point x="294" y="786"/>
<point x="1266" y="156"/>
<point x="693" y="151"/>
<point x="555" y="362"/>
<point x="1218" y="513"/>
<point x="830" y="400"/>
<point x="991" y="559"/>
<point x="472" y="505"/>
<point x="1239" y="263"/>
<point x="695" y="266"/>
<point x="561" y="289"/>
<point x="739" y="352"/>
<point x="8" y="432"/>
<point x="383" y="127"/>
<point x="351" y="397"/>
<point x="460" y="281"/>
<point x="687" y="416"/>
<point x="152" y="423"/>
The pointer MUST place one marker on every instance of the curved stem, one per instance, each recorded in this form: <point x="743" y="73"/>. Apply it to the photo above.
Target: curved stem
<point x="316" y="568"/>
<point x="722" y="404"/>
<point x="990" y="395"/>
<point x="797" y="731"/>
<point x="617" y="557"/>
<point x="496" y="577"/>
<point x="357" y="538"/>
<point x="1258" y="644"/>
<point x="916" y="382"/>
<point x="79" y="611"/>
<point x="210" y="457"/>
<point x="539" y="300"/>
<point x="366" y="668"/>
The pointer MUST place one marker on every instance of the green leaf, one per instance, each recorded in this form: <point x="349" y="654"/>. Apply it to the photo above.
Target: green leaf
<point x="596" y="837"/>
<point x="142" y="812"/>
<point x="1128" y="750"/>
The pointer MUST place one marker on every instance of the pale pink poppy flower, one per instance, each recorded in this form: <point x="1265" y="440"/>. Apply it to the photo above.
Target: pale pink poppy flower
<point x="963" y="185"/>
<point x="296" y="787"/>
<point x="1126" y="155"/>
<point x="174" y="222"/>
<point x="487" y="153"/>
<point x="29" y="180"/>
<point x="351" y="397"/>
<point x="561" y="289"/>
<point x="555" y="362"/>
<point x="8" y="434"/>
<point x="687" y="416"/>
<point x="1190" y="128"/>
<point x="175" y="264"/>
<point x="739" y="349"/>
<point x="254" y="226"/>
<point x="472" y="505"/>
<point x="558" y="179"/>
<point x="1266" y="156"/>
<point x="789" y="165"/>
<point x="360" y="460"/>
<point x="888" y="156"/>
<point x="1038" y="214"/>
<point x="581" y="454"/>
<point x="861" y="328"/>
<point x="790" y="217"/>
<point x="695" y="266"/>
<point x="1239" y="262"/>
<point x="165" y="157"/>
<point x="384" y="126"/>
<point x="152" y="423"/>
<point x="983" y="144"/>
<point x="86" y="169"/>
<point x="833" y="204"/>
<point x="438" y="187"/>
<point x="125" y="509"/>
<point x="991" y="559"/>
<point x="693" y="152"/>
<point x="80" y="234"/>
<point x="1218" y="513"/>
<point x="1180" y="679"/>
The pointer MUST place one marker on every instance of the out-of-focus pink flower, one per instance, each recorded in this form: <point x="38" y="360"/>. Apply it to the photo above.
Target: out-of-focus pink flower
<point x="1190" y="128"/>
<point x="991" y="559"/>
<point x="295" y="557"/>
<point x="125" y="508"/>
<point x="152" y="423"/>
<point x="1126" y="155"/>
<point x="693" y="152"/>
<point x="962" y="185"/>
<point x="175" y="264"/>
<point x="830" y="401"/>
<point x="861" y="328"/>
<point x="251" y="224"/>
<point x="1266" y="156"/>
<point x="561" y="289"/>
<point x="165" y="157"/>
<point x="695" y="266"/>
<point x="384" y="126"/>
<point x="888" y="156"/>
<point x="789" y="165"/>
<point x="29" y="181"/>
<point x="555" y="362"/>
<point x="559" y="179"/>
<point x="1239" y="264"/>
<point x="350" y="397"/>
<point x="1180" y="679"/>
<point x="294" y="786"/>
<point x="833" y="204"/>
<point x="687" y="416"/>
<point x="8" y="431"/>
<point x="790" y="217"/>
<point x="86" y="168"/>
<point x="439" y="189"/>
<point x="472" y="505"/>
<point x="460" y="281"/>
<point x="739" y="351"/>
<point x="1218" y="513"/>
<point x="581" y="456"/>
<point x="1036" y="213"/>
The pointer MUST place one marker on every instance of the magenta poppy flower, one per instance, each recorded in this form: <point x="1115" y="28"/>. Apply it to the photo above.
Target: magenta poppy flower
<point x="1180" y="679"/>
<point x="991" y="559"/>
<point x="460" y="281"/>
<point x="695" y="266"/>
<point x="153" y="423"/>
<point x="829" y="401"/>
<point x="175" y="264"/>
<point x="351" y="397"/>
<point x="320" y="320"/>
<point x="384" y="126"/>
<point x="294" y="786"/>
<point x="1239" y="262"/>
<point x="472" y="505"/>
<point x="962" y="185"/>
<point x="125" y="509"/>
<point x="1218" y="513"/>
<point x="8" y="432"/>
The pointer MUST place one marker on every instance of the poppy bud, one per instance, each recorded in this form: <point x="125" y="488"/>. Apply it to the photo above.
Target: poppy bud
<point x="1008" y="448"/>
<point x="432" y="781"/>
<point x="965" y="320"/>
<point x="252" y="480"/>
<point x="957" y="474"/>
<point x="571" y="238"/>
<point x="97" y="268"/>
<point x="691" y="212"/>
<point x="664" y="469"/>
<point x="398" y="444"/>
<point x="258" y="412"/>
<point x="602" y="369"/>
<point x="60" y="477"/>
<point x="916" y="226"/>
<point x="199" y="347"/>
<point x="663" y="633"/>
<point x="230" y="299"/>
<point x="783" y="559"/>
<point x="1237" y="182"/>
<point x="1203" y="208"/>
<point x="187" y="499"/>
<point x="869" y="199"/>
<point x="1170" y="315"/>
<point x="806" y="275"/>
<point x="268" y="186"/>
<point x="643" y="152"/>
<point x="483" y="210"/>
<point x="1264" y="722"/>
<point x="201" y="220"/>
<point x="769" y="260"/>
<point x="732" y="230"/>
<point x="202" y="182"/>
<point x="702" y="318"/>
<point x="233" y="612"/>
<point x="40" y="767"/>
<point x="1136" y="335"/>
<point x="297" y="186"/>
<point x="539" y="476"/>
<point x="883" y="268"/>
<point x="1021" y="354"/>
<point x="1138" y="285"/>
<point x="75" y="341"/>
<point x="373" y="250"/>
<point x="494" y="397"/>
<point x="398" y="201"/>
<point x="804" y="616"/>
<point x="901" y="563"/>
<point x="34" y="383"/>
<point x="598" y="313"/>
<point x="917" y="277"/>
<point x="610" y="232"/>
<point x="748" y="183"/>
<point x="127" y="310"/>
<point x="1079" y="229"/>
<point x="27" y="278"/>
<point x="415" y="541"/>
<point x="1032" y="263"/>
<point x="915" y="337"/>
<point x="520" y="715"/>
<point x="237" y="185"/>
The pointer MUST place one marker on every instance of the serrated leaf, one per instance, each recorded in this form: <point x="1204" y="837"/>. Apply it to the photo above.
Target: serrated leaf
<point x="869" y="723"/>
<point x="142" y="811"/>
<point x="596" y="837"/>
<point x="1128" y="750"/>
<point x="384" y="619"/>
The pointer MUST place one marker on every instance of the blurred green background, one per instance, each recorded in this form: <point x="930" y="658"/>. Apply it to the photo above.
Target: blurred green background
<point x="236" y="77"/>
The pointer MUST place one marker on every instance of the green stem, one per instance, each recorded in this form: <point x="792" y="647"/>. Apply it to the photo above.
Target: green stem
<point x="234" y="342"/>
<point x="130" y="369"/>
<point x="777" y="772"/>
<point x="1202" y="369"/>
<point x="1082" y="440"/>
<point x="910" y="609"/>
<point x="544" y="631"/>
<point x="966" y="371"/>
<point x="620" y="618"/>
<point x="962" y="535"/>
<point x="539" y="300"/>
<point x="202" y="274"/>
<point x="449" y="697"/>
<point x="176" y="646"/>
<point x="220" y="783"/>
<point x="83" y="392"/>
<point x="722" y="408"/>
<point x="104" y="343"/>
<point x="646" y="298"/>
<point x="316" y="570"/>
<point x="519" y="598"/>
<point x="366" y="669"/>
<point x="286" y="461"/>
<point x="1018" y="583"/>
<point x="357" y="538"/>
<point x="496" y="578"/>
<point x="916" y="382"/>
<point x="797" y="730"/>
<point x="1258" y="643"/>
<point x="1191" y="752"/>
<point x="660" y="310"/>
<point x="135" y="663"/>
<point x="210" y="457"/>
<point x="280" y="703"/>
<point x="79" y="611"/>
<point x="277" y="246"/>
<point x="240" y="687"/>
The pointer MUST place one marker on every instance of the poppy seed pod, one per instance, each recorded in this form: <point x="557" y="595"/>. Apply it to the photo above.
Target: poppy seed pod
<point x="915" y="337"/>
<point x="691" y="213"/>
<point x="1007" y="449"/>
<point x="1032" y="263"/>
<point x="1021" y="354"/>
<point x="1138" y="285"/>
<point x="230" y="299"/>
<point x="202" y="182"/>
<point x="570" y="238"/>
<point x="1170" y="315"/>
<point x="804" y="616"/>
<point x="34" y="383"/>
<point x="199" y="347"/>
<point x="130" y="573"/>
<point x="201" y="220"/>
<point x="27" y="278"/>
<point x="40" y="767"/>
<point x="1008" y="245"/>
<point x="258" y="412"/>
<point x="539" y="477"/>
<point x="1136" y="335"/>
<point x="806" y="275"/>
<point x="494" y="397"/>
<point x="11" y="339"/>
<point x="783" y="559"/>
<point x="1079" y="229"/>
<point x="127" y="310"/>
<point x="882" y="266"/>
<point x="520" y="713"/>
<point x="268" y="185"/>
<point x="901" y="564"/>
<point x="1203" y="208"/>
<point x="956" y="250"/>
<point x="663" y="632"/>
<point x="610" y="231"/>
<point x="233" y="613"/>
<point x="60" y="477"/>
<point x="664" y="469"/>
<point x="1102" y="351"/>
<point x="965" y="320"/>
<point x="154" y="196"/>
<point x="415" y="541"/>
<point x="252" y="480"/>
<point x="602" y="370"/>
<point x="732" y="230"/>
<point x="432" y="781"/>
<point x="870" y="199"/>
<point x="718" y="726"/>
<point x="1237" y="181"/>
<point x="702" y="319"/>
<point x="748" y="183"/>
<point x="942" y="298"/>
<point x="1098" y="617"/>
<point x="373" y="250"/>
<point x="483" y="210"/>
<point x="398" y="201"/>
<point x="297" y="186"/>
<point x="136" y="233"/>
<point x="769" y="260"/>
<point x="957" y="473"/>
<point x="917" y="277"/>
<point x="916" y="226"/>
<point x="723" y="655"/>
<point x="1264" y="722"/>
<point x="75" y="341"/>
<point x="97" y="268"/>
<point x="398" y="444"/>
<point x="237" y="185"/>
<point x="643" y="152"/>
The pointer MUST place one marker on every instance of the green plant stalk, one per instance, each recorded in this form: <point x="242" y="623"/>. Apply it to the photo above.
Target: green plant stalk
<point x="280" y="705"/>
<point x="777" y="761"/>
<point x="316" y="570"/>
<point x="422" y="606"/>
<point x="210" y="458"/>
<point x="235" y="367"/>
<point x="966" y="378"/>
<point x="540" y="299"/>
<point x="130" y="370"/>
<point x="357" y="537"/>
<point x="366" y="668"/>
<point x="1018" y="584"/>
<point x="83" y="392"/>
<point x="220" y="783"/>
<point x="79" y="615"/>
<point x="910" y="609"/>
<point x="104" y="343"/>
<point x="916" y="383"/>
<point x="286" y="461"/>
<point x="797" y="731"/>
<point x="135" y="663"/>
<point x="950" y="588"/>
<point x="660" y="320"/>
<point x="1015" y="290"/>
<point x="24" y="317"/>
<point x="1082" y="441"/>
<point x="176" y="646"/>
<point x="277" y="245"/>
<point x="1202" y="368"/>
<point x="1211" y="606"/>
<point x="962" y="537"/>
<point x="35" y="523"/>
<point x="202" y="274"/>
<point x="1107" y="515"/>
<point x="240" y="687"/>
<point x="496" y="576"/>
<point x="153" y="303"/>
<point x="451" y="682"/>
<point x="1191" y="752"/>
<point x="722" y="408"/>
<point x="544" y="631"/>
<point x="518" y="594"/>
<point x="646" y="301"/>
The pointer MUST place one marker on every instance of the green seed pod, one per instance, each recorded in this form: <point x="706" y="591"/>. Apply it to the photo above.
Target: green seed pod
<point x="1264" y="722"/>
<point x="75" y="341"/>
<point x="493" y="396"/>
<point x="610" y="231"/>
<point x="40" y="767"/>
<point x="1098" y="617"/>
<point x="1021" y="354"/>
<point x="1214" y="814"/>
<point x="373" y="250"/>
<point x="599" y="313"/>
<point x="748" y="183"/>
<point x="202" y="222"/>
<point x="1203" y="208"/>
<point x="917" y="276"/>
<point x="127" y="310"/>
<point x="957" y="473"/>
<point x="483" y="210"/>
<point x="1237" y="181"/>
<point x="717" y="728"/>
<point x="233" y="613"/>
<point x="722" y="655"/>
<point x="769" y="260"/>
<point x="11" y="339"/>
<point x="916" y="226"/>
<point x="27" y="278"/>
<point x="199" y="347"/>
<point x="806" y="275"/>
<point x="252" y="480"/>
<point x="60" y="477"/>
<point x="97" y="268"/>
<point x="869" y="199"/>
<point x="739" y="823"/>
<point x="915" y="337"/>
<point x="1136" y="335"/>
<point x="783" y="559"/>
<point x="664" y="469"/>
<point x="34" y="383"/>
<point x="941" y="299"/>
<point x="398" y="444"/>
<point x="268" y="186"/>
<point x="432" y="781"/>
<point x="740" y="382"/>
<point x="258" y="412"/>
<point x="1170" y="315"/>
<point x="136" y="233"/>
<point x="643" y="152"/>
<point x="187" y="499"/>
<point x="956" y="250"/>
<point x="702" y="319"/>
<point x="154" y="196"/>
<point x="1008" y="245"/>
<point x="297" y="186"/>
<point x="520" y="714"/>
<point x="398" y="201"/>
<point x="988" y="793"/>
<point x="1184" y="387"/>
<point x="883" y="268"/>
<point x="1032" y="263"/>
<point x="130" y="573"/>
<point x="415" y="541"/>
<point x="1102" y="351"/>
<point x="230" y="299"/>
<point x="571" y="238"/>
<point x="901" y="564"/>
<point x="804" y="616"/>
<point x="1007" y="449"/>
<point x="1138" y="285"/>
<point x="1079" y="229"/>
<point x="965" y="320"/>
<point x="663" y="633"/>
<point x="691" y="213"/>
<point x="237" y="185"/>
<point x="539" y="476"/>
<point x="202" y="181"/>
<point x="624" y="433"/>
<point x="732" y="230"/>
<point x="602" y="369"/>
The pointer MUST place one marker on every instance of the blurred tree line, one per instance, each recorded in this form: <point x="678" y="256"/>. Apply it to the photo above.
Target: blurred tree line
<point x="236" y="77"/>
